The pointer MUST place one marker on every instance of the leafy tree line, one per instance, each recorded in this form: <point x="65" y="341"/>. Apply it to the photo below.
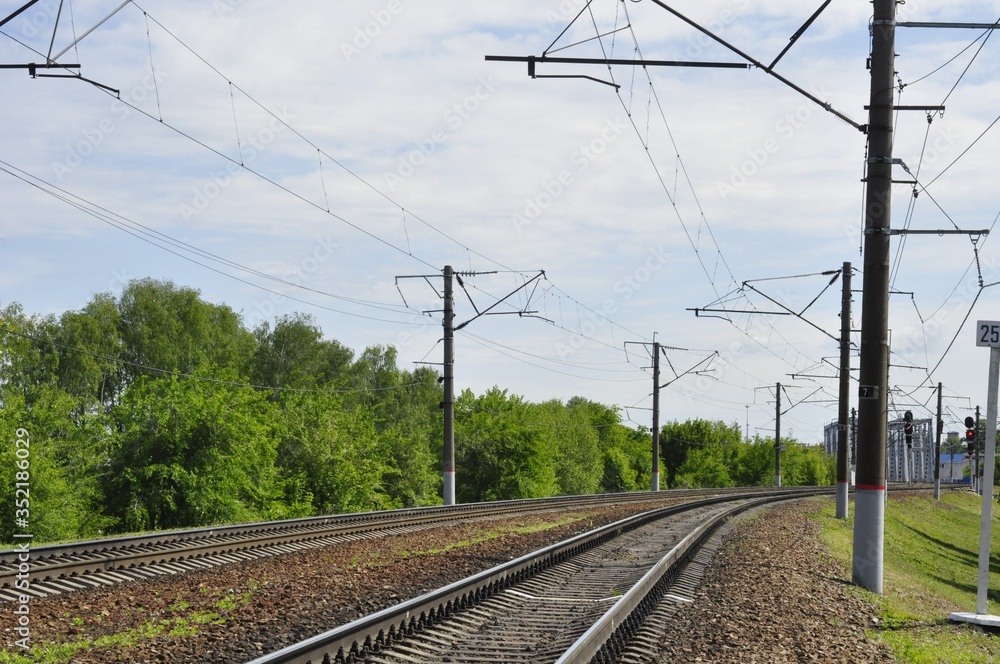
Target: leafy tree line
<point x="701" y="453"/>
<point x="158" y="410"/>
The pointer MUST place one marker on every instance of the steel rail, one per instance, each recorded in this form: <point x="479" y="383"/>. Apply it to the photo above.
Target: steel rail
<point x="604" y="640"/>
<point x="80" y="558"/>
<point x="115" y="560"/>
<point x="370" y="634"/>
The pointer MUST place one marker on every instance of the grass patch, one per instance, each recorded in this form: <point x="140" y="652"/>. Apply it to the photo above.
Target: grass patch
<point x="375" y="558"/>
<point x="60" y="653"/>
<point x="185" y="622"/>
<point x="931" y="562"/>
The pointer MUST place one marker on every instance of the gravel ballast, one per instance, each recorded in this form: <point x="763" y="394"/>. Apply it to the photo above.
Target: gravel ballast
<point x="772" y="595"/>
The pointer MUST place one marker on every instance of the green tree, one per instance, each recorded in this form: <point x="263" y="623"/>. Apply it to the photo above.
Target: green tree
<point x="502" y="456"/>
<point x="58" y="463"/>
<point x="677" y="439"/>
<point x="619" y="474"/>
<point x="754" y="463"/>
<point x="803" y="465"/>
<point x="331" y="456"/>
<point x="293" y="354"/>
<point x="409" y="422"/>
<point x="705" y="467"/>
<point x="625" y="453"/>
<point x="28" y="358"/>
<point x="576" y="442"/>
<point x="191" y="453"/>
<point x="90" y="345"/>
<point x="170" y="328"/>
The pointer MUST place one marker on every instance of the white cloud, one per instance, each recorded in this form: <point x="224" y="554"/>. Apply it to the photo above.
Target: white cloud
<point x="400" y="93"/>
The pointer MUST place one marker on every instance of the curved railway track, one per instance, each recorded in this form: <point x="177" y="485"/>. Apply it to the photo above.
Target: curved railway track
<point x="68" y="567"/>
<point x="582" y="600"/>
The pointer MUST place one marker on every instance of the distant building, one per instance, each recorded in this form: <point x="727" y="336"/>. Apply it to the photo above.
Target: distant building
<point x="914" y="463"/>
<point x="953" y="467"/>
<point x="830" y="433"/>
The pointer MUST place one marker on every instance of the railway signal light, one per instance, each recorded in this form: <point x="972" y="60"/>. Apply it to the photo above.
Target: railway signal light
<point x="970" y="434"/>
<point x="908" y="428"/>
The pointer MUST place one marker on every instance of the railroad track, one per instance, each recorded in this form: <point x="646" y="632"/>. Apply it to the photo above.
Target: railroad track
<point x="585" y="599"/>
<point x="69" y="567"/>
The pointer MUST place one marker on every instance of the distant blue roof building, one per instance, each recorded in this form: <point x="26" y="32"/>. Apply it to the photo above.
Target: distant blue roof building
<point x="953" y="467"/>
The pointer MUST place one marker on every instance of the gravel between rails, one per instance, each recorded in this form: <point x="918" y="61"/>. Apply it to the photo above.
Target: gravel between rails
<point x="773" y="595"/>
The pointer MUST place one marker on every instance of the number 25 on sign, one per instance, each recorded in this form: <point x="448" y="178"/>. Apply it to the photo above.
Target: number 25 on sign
<point x="988" y="333"/>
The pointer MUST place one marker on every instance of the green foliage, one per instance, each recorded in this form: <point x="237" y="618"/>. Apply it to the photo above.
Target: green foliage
<point x="754" y="463"/>
<point x="294" y="355"/>
<point x="190" y="453"/>
<point x="157" y="409"/>
<point x="409" y="423"/>
<point x="807" y="466"/>
<point x="576" y="442"/>
<point x="92" y="377"/>
<point x="502" y="455"/>
<point x="171" y="328"/>
<point x="677" y="439"/>
<point x="619" y="475"/>
<point x="335" y="453"/>
<point x="705" y="467"/>
<point x="715" y="456"/>
<point x="624" y="454"/>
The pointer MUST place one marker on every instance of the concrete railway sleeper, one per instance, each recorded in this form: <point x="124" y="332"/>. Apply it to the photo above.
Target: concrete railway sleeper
<point x="580" y="600"/>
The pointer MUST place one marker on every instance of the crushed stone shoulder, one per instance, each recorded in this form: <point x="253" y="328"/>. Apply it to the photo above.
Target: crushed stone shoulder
<point x="774" y="594"/>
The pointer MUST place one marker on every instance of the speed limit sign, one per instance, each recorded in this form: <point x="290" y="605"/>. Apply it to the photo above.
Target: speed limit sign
<point x="988" y="333"/>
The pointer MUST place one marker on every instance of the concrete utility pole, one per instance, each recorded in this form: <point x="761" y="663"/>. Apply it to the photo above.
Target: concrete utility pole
<point x="777" y="438"/>
<point x="843" y="467"/>
<point x="937" y="449"/>
<point x="656" y="417"/>
<point x="869" y="521"/>
<point x="448" y="380"/>
<point x="449" y="387"/>
<point x="989" y="462"/>
<point x="658" y="348"/>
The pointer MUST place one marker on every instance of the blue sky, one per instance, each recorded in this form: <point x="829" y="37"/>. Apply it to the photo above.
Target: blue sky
<point x="337" y="146"/>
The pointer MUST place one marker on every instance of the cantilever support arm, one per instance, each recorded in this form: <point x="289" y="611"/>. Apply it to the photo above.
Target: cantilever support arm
<point x="756" y="63"/>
